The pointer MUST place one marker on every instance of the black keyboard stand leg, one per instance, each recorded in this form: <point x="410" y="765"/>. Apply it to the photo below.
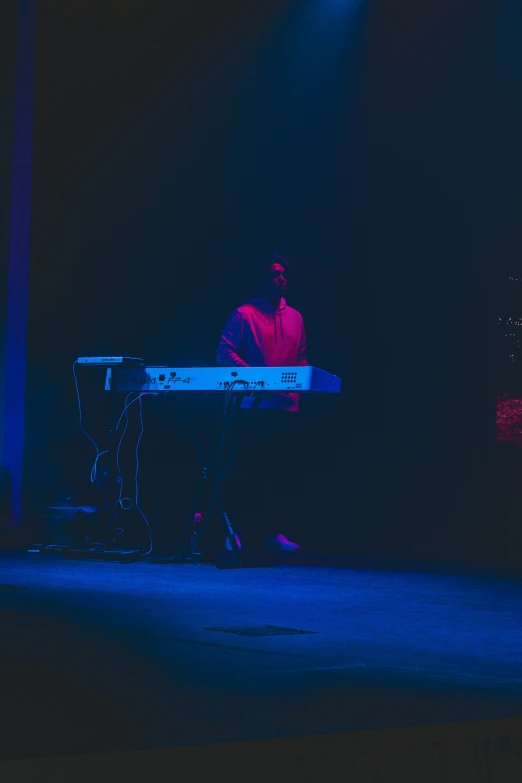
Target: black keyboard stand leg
<point x="234" y="555"/>
<point x="109" y="512"/>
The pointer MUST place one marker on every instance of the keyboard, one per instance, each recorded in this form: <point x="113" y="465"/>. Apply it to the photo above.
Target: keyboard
<point x="220" y="379"/>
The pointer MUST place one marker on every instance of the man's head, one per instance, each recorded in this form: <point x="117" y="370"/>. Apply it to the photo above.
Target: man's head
<point x="272" y="272"/>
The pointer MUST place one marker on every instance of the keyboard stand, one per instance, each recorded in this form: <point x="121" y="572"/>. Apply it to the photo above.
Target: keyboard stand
<point x="109" y="513"/>
<point x="107" y="480"/>
<point x="218" y="473"/>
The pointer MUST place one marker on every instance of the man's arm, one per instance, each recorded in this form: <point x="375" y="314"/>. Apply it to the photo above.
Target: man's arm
<point x="229" y="348"/>
<point x="301" y="351"/>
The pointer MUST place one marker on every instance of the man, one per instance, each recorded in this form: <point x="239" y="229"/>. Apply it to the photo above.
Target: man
<point x="265" y="332"/>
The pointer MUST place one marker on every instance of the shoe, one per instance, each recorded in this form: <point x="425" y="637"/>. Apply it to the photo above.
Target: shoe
<point x="280" y="543"/>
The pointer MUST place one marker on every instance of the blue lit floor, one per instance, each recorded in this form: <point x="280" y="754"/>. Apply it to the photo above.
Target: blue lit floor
<point x="108" y="657"/>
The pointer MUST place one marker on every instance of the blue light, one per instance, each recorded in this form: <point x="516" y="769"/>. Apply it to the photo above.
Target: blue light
<point x="320" y="37"/>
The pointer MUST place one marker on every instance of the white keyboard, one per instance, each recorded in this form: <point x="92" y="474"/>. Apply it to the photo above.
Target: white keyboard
<point x="206" y="379"/>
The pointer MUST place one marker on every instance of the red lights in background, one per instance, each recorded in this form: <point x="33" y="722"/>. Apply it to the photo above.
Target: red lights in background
<point x="509" y="417"/>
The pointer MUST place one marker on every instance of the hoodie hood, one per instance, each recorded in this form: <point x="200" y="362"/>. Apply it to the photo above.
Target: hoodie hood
<point x="266" y="307"/>
<point x="263" y="304"/>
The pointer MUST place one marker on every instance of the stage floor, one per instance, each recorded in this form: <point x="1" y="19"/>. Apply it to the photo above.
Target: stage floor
<point x="100" y="657"/>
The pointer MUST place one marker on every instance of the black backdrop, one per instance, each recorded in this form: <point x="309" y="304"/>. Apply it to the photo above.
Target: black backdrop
<point x="376" y="145"/>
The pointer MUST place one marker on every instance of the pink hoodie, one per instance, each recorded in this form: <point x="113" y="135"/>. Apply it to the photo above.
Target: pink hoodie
<point x="259" y="335"/>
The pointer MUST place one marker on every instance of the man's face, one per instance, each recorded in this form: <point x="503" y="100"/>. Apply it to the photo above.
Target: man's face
<point x="276" y="280"/>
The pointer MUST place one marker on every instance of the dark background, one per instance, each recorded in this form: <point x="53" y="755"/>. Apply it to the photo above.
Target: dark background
<point x="375" y="145"/>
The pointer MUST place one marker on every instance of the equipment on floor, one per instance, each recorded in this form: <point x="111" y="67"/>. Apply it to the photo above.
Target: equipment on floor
<point x="75" y="532"/>
<point x="65" y="525"/>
